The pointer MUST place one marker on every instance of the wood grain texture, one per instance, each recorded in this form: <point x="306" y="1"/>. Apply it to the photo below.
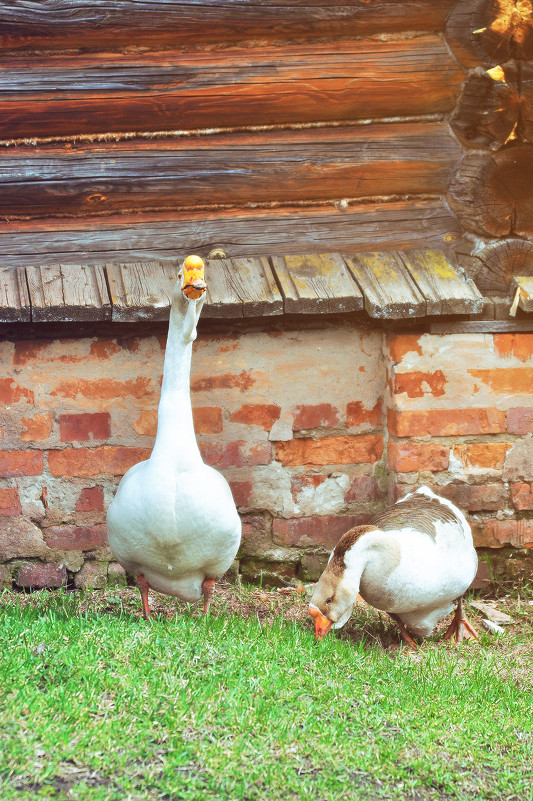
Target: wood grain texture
<point x="481" y="326"/>
<point x="284" y="166"/>
<point x="316" y="283"/>
<point x="525" y="295"/>
<point x="445" y="290"/>
<point x="492" y="267"/>
<point x="141" y="291"/>
<point x="67" y="294"/>
<point x="114" y="24"/>
<point x="490" y="32"/>
<point x="387" y="286"/>
<point x="241" y="288"/>
<point x="14" y="298"/>
<point x="342" y="80"/>
<point x="492" y="194"/>
<point x="239" y="232"/>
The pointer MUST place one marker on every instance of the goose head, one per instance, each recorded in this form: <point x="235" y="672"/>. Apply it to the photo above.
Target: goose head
<point x="332" y="600"/>
<point x="190" y="295"/>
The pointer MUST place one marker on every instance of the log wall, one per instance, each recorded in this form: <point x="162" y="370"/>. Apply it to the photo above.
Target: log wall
<point x="273" y="127"/>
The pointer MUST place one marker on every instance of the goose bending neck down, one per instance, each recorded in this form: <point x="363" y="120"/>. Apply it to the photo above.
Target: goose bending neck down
<point x="415" y="560"/>
<point x="173" y="523"/>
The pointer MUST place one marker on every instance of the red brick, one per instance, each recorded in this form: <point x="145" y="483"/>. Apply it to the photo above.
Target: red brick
<point x="84" y="427"/>
<point x="76" y="538"/>
<point x="146" y="423"/>
<point x="263" y="415"/>
<point x="364" y="489"/>
<point x="475" y="497"/>
<point x="520" y="420"/>
<point x="104" y="388"/>
<point x="357" y="415"/>
<point x="486" y="455"/>
<point x="522" y="495"/>
<point x="27" y="350"/>
<point x="207" y="419"/>
<point x="445" y="422"/>
<point x="12" y="393"/>
<point x="497" y="533"/>
<point x="42" y="575"/>
<point x="91" y="499"/>
<point x="401" y="344"/>
<point x="417" y="384"/>
<point x="256" y="535"/>
<point x="367" y="448"/>
<point x="243" y="381"/>
<point x="104" y="348"/>
<point x="105" y="460"/>
<point x="483" y="577"/>
<point x="508" y="380"/>
<point x="320" y="415"/>
<point x="241" y="491"/>
<point x="518" y="345"/>
<point x="407" y="457"/>
<point x="308" y="532"/>
<point x="236" y="454"/>
<point x="38" y="428"/>
<point x="20" y="463"/>
<point x="300" y="483"/>
<point x="9" y="502"/>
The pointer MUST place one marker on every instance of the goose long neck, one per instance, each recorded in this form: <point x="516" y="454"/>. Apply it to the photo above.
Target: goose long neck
<point x="175" y="439"/>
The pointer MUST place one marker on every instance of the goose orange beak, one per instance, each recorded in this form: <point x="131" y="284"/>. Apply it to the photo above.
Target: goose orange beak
<point x="193" y="285"/>
<point x="322" y="624"/>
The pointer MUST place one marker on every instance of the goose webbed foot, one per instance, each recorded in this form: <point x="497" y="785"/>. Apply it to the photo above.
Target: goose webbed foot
<point x="460" y="628"/>
<point x="406" y="637"/>
<point x="208" y="588"/>
<point x="144" y="587"/>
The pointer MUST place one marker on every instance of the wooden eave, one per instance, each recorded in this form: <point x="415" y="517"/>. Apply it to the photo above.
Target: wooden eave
<point x="388" y="286"/>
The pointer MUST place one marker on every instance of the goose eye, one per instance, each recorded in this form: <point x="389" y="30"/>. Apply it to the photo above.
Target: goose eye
<point x="330" y="600"/>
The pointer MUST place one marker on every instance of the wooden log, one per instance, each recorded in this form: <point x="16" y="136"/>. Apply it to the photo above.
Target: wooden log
<point x="115" y="24"/>
<point x="64" y="95"/>
<point x="239" y="232"/>
<point x="67" y="294"/>
<point x="493" y="194"/>
<point x="316" y="283"/>
<point x="389" y="291"/>
<point x="491" y="32"/>
<point x="241" y="288"/>
<point x="492" y="267"/>
<point x="14" y="298"/>
<point x="489" y="111"/>
<point x="444" y="288"/>
<point x="355" y="161"/>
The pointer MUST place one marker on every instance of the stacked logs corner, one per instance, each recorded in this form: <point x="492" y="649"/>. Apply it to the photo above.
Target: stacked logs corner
<point x="491" y="191"/>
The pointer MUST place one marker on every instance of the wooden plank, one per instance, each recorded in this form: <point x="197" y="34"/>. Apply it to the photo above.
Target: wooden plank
<point x="105" y="24"/>
<point x="316" y="283"/>
<point x="239" y="232"/>
<point x="141" y="290"/>
<point x="14" y="297"/>
<point x="522" y="286"/>
<point x="481" y="326"/>
<point x="341" y="80"/>
<point x="445" y="290"/>
<point x="389" y="290"/>
<point x="325" y="163"/>
<point x="73" y="293"/>
<point x="241" y="288"/>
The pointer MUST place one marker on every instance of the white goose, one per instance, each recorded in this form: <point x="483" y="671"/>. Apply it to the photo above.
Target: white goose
<point x="173" y="522"/>
<point x="414" y="561"/>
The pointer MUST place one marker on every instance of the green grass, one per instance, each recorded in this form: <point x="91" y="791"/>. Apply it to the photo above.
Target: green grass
<point x="98" y="705"/>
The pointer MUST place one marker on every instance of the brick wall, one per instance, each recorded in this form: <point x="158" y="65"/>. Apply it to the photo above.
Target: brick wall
<point x="314" y="430"/>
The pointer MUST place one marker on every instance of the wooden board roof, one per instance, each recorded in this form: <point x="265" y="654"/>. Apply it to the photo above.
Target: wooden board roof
<point x="391" y="285"/>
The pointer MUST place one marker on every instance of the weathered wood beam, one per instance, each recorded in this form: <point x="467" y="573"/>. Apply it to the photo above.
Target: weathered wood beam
<point x="389" y="291"/>
<point x="61" y="96"/>
<point x="492" y="267"/>
<point x="239" y="232"/>
<point x="114" y="24"/>
<point x="316" y="283"/>
<point x="76" y="292"/>
<point x="492" y="194"/>
<point x="14" y="298"/>
<point x="358" y="161"/>
<point x="523" y="287"/>
<point x="446" y="291"/>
